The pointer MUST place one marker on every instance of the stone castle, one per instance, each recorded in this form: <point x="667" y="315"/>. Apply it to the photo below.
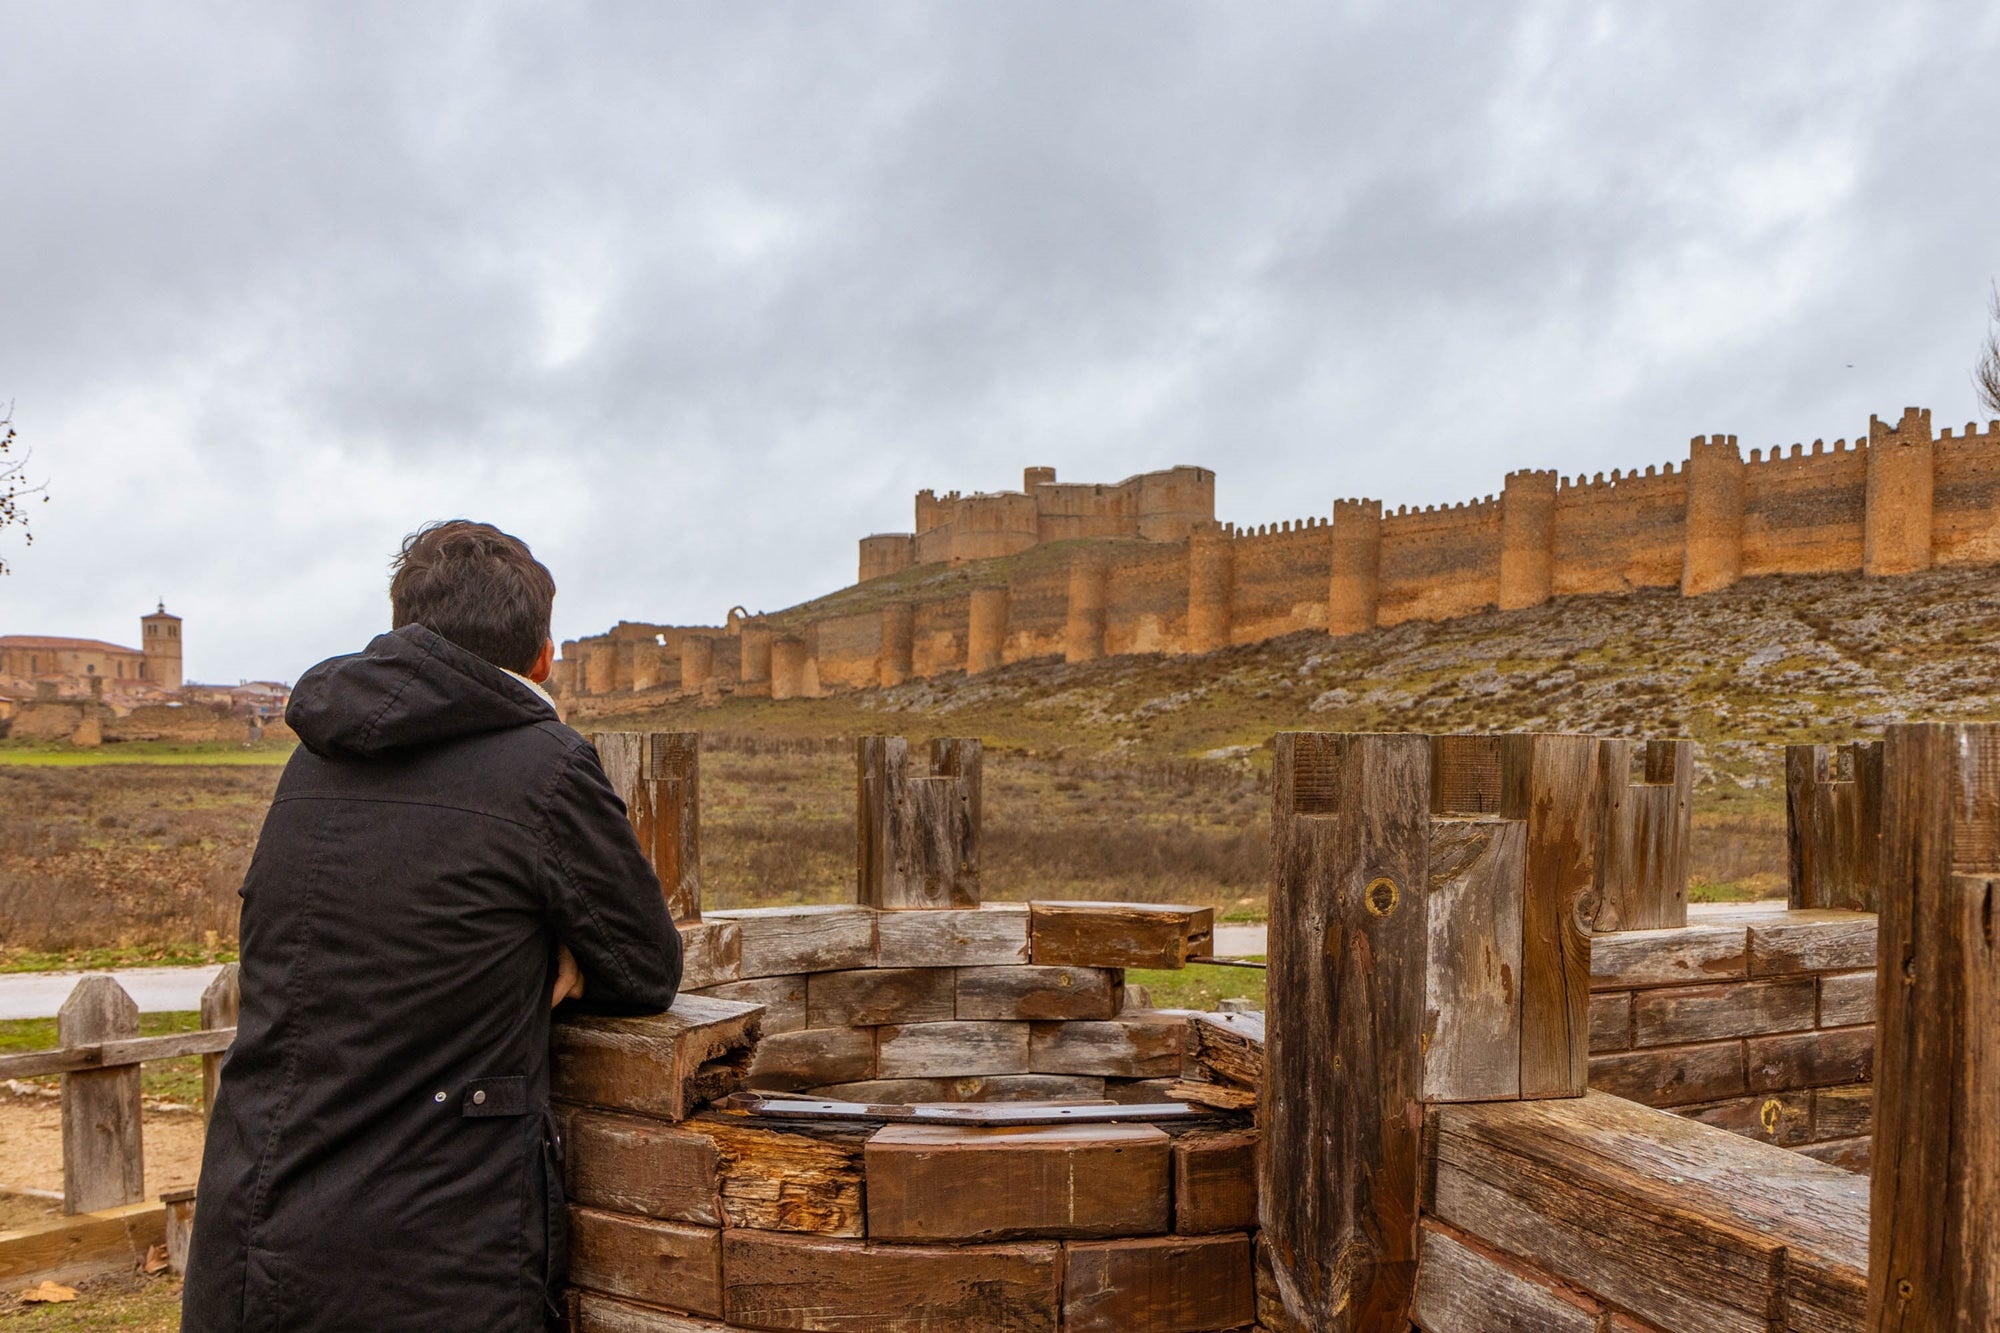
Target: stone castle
<point x="1076" y="572"/>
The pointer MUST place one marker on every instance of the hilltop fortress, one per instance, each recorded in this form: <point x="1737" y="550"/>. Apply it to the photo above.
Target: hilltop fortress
<point x="1076" y="572"/>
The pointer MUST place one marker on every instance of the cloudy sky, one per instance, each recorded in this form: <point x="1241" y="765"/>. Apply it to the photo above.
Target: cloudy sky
<point x="693" y="296"/>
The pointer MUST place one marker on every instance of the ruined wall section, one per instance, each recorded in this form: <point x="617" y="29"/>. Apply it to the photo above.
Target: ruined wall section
<point x="1804" y="512"/>
<point x="1440" y="562"/>
<point x="1621" y="533"/>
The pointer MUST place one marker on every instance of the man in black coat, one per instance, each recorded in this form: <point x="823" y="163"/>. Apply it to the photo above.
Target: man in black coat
<point x="443" y="857"/>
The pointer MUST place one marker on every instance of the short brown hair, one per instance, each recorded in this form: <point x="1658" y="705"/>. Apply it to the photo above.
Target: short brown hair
<point x="476" y="586"/>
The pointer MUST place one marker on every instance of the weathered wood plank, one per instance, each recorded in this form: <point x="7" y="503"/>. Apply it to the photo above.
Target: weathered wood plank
<point x="1168" y="1284"/>
<point x="1548" y="782"/>
<point x="116" y="1054"/>
<point x="1644" y="834"/>
<point x="1091" y="934"/>
<point x="1226" y="1048"/>
<point x="1817" y="941"/>
<point x="946" y="1183"/>
<point x="1462" y="1289"/>
<point x="220" y="1001"/>
<point x="596" y="1313"/>
<point x="103" y="1156"/>
<point x="660" y="1263"/>
<point x="953" y="1050"/>
<point x="1846" y="999"/>
<point x="1635" y="959"/>
<point x="783" y="941"/>
<point x="1138" y="1044"/>
<point x="812" y="1058"/>
<point x="1338" y="1178"/>
<point x="68" y="1249"/>
<point x="658" y="776"/>
<point x="1936" y="1152"/>
<point x="625" y="1164"/>
<point x="1682" y="1224"/>
<point x="711" y="954"/>
<point x="1811" y="1059"/>
<point x="874" y="996"/>
<point x="1215" y="1181"/>
<point x="1783" y="1118"/>
<point x="917" y="838"/>
<point x="1045" y="993"/>
<point x="1845" y="1112"/>
<point x="995" y="1088"/>
<point x="1834" y="824"/>
<point x="800" y="1178"/>
<point x="1472" y="970"/>
<point x="992" y="935"/>
<point x="662" y="1065"/>
<point x="1610" y="1021"/>
<point x="1675" y="1015"/>
<point x="1673" y="1075"/>
<point x="783" y="1000"/>
<point x="847" y="1286"/>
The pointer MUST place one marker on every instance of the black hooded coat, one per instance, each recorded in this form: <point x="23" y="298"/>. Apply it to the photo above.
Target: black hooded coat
<point x="379" y="1154"/>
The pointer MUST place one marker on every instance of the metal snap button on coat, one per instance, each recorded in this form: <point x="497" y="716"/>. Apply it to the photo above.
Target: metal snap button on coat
<point x="438" y="1097"/>
<point x="479" y="1098"/>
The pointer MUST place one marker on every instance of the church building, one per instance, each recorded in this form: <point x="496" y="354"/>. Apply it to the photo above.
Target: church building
<point x="40" y="664"/>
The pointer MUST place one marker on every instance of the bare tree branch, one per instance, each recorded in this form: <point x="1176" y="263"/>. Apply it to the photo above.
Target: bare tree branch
<point x="1986" y="373"/>
<point x="15" y="487"/>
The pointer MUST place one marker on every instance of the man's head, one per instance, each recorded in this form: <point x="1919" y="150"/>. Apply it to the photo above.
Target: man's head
<point x="478" y="587"/>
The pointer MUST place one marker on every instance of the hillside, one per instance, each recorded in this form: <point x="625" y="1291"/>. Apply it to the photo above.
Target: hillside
<point x="1771" y="660"/>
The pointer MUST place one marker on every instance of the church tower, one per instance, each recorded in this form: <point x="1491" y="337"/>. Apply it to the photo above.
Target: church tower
<point x="160" y="638"/>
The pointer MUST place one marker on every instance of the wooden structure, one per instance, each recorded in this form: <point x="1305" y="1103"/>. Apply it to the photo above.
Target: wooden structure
<point x="917" y="838"/>
<point x="1833" y="810"/>
<point x="1644" y="835"/>
<point x="658" y="776"/>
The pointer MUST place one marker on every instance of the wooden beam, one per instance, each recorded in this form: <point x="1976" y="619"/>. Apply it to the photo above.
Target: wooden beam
<point x="65" y="1249"/>
<point x="103" y="1154"/>
<point x="658" y="776"/>
<point x="786" y="941"/>
<point x="992" y="935"/>
<point x="812" y="1282"/>
<point x="220" y="1001"/>
<point x="1833" y="810"/>
<point x="1338" y="1183"/>
<point x="664" y="1065"/>
<point x="1088" y="934"/>
<point x="1160" y="1284"/>
<point x="1644" y="832"/>
<point x="1936" y="1202"/>
<point x="1472" y="968"/>
<point x="660" y="1263"/>
<point x="115" y="1054"/>
<point x="953" y="1183"/>
<point x="917" y="838"/>
<point x="1548" y="782"/>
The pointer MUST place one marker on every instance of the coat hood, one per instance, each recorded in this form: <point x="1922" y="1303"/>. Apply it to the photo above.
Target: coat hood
<point x="406" y="688"/>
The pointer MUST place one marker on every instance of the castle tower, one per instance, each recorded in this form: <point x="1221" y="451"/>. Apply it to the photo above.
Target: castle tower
<point x="1896" y="526"/>
<point x="160" y="640"/>
<point x="1032" y="477"/>
<point x="895" y="661"/>
<point x="1712" y="555"/>
<point x="1527" y="539"/>
<point x="986" y="630"/>
<point x="1355" y="592"/>
<point x="1083" y="634"/>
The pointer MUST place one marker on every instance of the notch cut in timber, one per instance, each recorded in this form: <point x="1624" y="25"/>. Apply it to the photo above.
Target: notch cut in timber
<point x="664" y="1065"/>
<point x="917" y="837"/>
<point x="1645" y="832"/>
<point x="658" y="776"/>
<point x="1413" y="958"/>
<point x="1833" y="810"/>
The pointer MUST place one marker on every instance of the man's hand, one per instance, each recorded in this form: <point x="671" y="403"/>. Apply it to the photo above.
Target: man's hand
<point x="569" y="977"/>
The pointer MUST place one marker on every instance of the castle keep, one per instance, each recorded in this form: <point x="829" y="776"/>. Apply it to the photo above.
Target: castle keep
<point x="1078" y="572"/>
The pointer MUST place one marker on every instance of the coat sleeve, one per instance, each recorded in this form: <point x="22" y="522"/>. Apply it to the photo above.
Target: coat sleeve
<point x="605" y="903"/>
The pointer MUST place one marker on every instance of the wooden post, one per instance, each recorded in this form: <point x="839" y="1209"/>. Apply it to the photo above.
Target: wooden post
<point x="1934" y="1247"/>
<point x="1644" y="833"/>
<point x="658" y="776"/>
<point x="1342" y="1106"/>
<point x="1547" y="781"/>
<point x="103" y="1159"/>
<point x="916" y="838"/>
<point x="219" y="1005"/>
<point x="1833" y="808"/>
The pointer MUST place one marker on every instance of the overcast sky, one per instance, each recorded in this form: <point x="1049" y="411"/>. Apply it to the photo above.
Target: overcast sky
<point x="692" y="297"/>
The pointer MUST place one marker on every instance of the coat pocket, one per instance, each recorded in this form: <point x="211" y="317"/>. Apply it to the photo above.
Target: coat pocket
<point x="504" y="1095"/>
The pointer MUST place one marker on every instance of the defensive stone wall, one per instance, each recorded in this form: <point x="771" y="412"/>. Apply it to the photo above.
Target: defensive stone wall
<point x="1075" y="572"/>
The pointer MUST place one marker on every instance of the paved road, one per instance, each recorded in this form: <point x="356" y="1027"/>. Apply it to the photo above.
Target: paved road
<point x="1239" y="941"/>
<point x="157" y="989"/>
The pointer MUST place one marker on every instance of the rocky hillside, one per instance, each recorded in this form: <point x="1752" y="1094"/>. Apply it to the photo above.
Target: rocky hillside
<point x="1822" y="657"/>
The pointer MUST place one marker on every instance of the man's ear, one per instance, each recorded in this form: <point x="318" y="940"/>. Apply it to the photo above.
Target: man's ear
<point x="545" y="662"/>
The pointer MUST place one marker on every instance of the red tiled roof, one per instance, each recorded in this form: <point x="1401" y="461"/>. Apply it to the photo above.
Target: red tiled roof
<point x="57" y="644"/>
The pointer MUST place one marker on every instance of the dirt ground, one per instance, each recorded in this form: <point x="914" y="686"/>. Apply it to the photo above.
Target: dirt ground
<point x="31" y="1146"/>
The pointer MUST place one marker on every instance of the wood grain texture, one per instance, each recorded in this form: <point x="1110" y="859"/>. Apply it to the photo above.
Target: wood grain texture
<point x="800" y="1178"/>
<point x="1645" y="834"/>
<point x="1810" y="1059"/>
<point x="1472" y="967"/>
<point x="663" y="1065"/>
<point x="1845" y="1112"/>
<point x="783" y="941"/>
<point x="1684" y="1225"/>
<point x="812" y="1058"/>
<point x="660" y="1263"/>
<point x="872" y="997"/>
<point x="1088" y="934"/>
<point x="946" y="1183"/>
<point x="1139" y="1044"/>
<point x="1549" y="782"/>
<point x="845" y="1286"/>
<point x="992" y="935"/>
<point x="1215" y="1181"/>
<point x="953" y="1050"/>
<point x="103" y="1156"/>
<point x="596" y="1313"/>
<point x="221" y="1000"/>
<point x="711" y="954"/>
<point x="1674" y="1015"/>
<point x="1466" y="1288"/>
<point x="1936" y="1155"/>
<point x="84" y="1245"/>
<point x="626" y="1164"/>
<point x="1783" y="1118"/>
<point x="1046" y="993"/>
<point x="917" y="838"/>
<point x="1833" y="808"/>
<point x="1610" y="1021"/>
<point x="1847" y="999"/>
<point x="1635" y="959"/>
<point x="783" y="1000"/>
<point x="1814" y="941"/>
<point x="1169" y="1284"/>
<point x="1343" y="1065"/>
<point x="657" y="776"/>
<point x="1673" y="1075"/>
<point x="1226" y="1048"/>
<point x="974" y="1088"/>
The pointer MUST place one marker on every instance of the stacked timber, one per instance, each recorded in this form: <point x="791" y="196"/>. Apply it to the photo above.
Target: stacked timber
<point x="1224" y="1061"/>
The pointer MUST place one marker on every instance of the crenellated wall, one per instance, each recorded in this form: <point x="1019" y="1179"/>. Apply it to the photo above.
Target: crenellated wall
<point x="1075" y="572"/>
